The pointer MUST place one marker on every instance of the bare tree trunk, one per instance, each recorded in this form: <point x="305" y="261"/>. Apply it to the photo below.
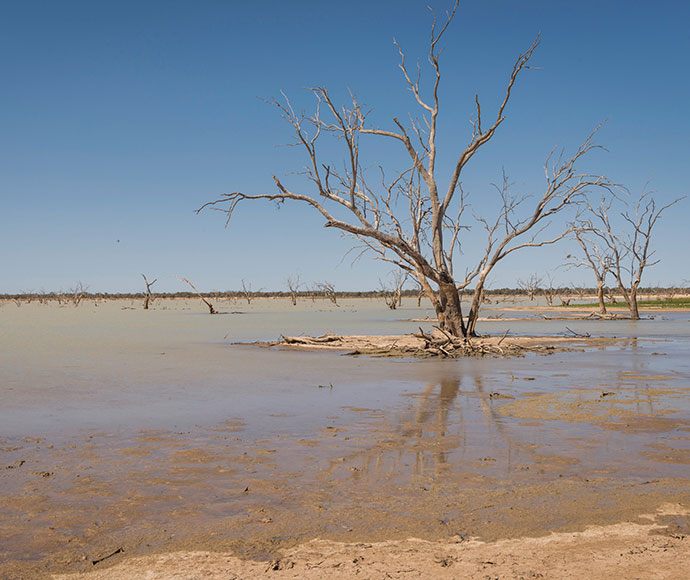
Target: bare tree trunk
<point x="148" y="296"/>
<point x="600" y="297"/>
<point x="449" y="310"/>
<point x="631" y="299"/>
<point x="391" y="301"/>
<point x="211" y="309"/>
<point x="473" y="316"/>
<point x="612" y="297"/>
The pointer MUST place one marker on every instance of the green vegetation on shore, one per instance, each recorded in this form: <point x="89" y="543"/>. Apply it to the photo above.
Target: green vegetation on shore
<point x="656" y="303"/>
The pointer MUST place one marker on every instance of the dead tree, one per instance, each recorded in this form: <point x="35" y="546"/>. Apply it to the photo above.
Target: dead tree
<point x="211" y="309"/>
<point x="407" y="219"/>
<point x="595" y="256"/>
<point x="148" y="297"/>
<point x="392" y="295"/>
<point x="530" y="286"/>
<point x="611" y="297"/>
<point x="77" y="293"/>
<point x="627" y="236"/>
<point x="420" y="295"/>
<point x="328" y="291"/>
<point x="42" y="296"/>
<point x="294" y="284"/>
<point x="247" y="292"/>
<point x="549" y="292"/>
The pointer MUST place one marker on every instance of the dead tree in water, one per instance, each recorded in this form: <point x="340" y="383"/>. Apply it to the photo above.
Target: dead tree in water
<point x="596" y="257"/>
<point x="78" y="293"/>
<point x="328" y="290"/>
<point x="293" y="283"/>
<point x="530" y="286"/>
<point x="148" y="296"/>
<point x="627" y="241"/>
<point x="211" y="309"/>
<point x="247" y="292"/>
<point x="408" y="220"/>
<point x="550" y="293"/>
<point x="393" y="296"/>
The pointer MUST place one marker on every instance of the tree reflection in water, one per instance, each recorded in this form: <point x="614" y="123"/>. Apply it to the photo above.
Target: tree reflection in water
<point x="451" y="423"/>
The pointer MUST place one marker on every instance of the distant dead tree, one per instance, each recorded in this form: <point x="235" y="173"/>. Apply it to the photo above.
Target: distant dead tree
<point x="247" y="291"/>
<point x="420" y="294"/>
<point x="531" y="285"/>
<point x="611" y="297"/>
<point x="580" y="291"/>
<point x="148" y="296"/>
<point x="42" y="296"/>
<point x="77" y="293"/>
<point x="294" y="283"/>
<point x="211" y="309"/>
<point x="549" y="291"/>
<point x="627" y="236"/>
<point x="670" y="292"/>
<point x="328" y="291"/>
<point x="595" y="256"/>
<point x="406" y="219"/>
<point x="392" y="293"/>
<point x="313" y="293"/>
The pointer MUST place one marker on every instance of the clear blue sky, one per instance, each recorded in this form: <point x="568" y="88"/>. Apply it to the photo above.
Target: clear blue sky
<point x="118" y="119"/>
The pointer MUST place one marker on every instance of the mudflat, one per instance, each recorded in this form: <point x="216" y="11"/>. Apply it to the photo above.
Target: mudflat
<point x="146" y="444"/>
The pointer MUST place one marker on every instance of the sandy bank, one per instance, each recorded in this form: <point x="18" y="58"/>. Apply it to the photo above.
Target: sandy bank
<point x="655" y="549"/>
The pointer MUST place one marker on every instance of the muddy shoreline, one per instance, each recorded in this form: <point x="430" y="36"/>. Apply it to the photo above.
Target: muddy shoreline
<point x="130" y="435"/>
<point x="161" y="493"/>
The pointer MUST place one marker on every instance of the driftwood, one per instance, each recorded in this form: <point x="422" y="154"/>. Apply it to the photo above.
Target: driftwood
<point x="578" y="334"/>
<point x="211" y="309"/>
<point x="590" y="316"/>
<point x="102" y="558"/>
<point x="421" y="344"/>
<point x="307" y="340"/>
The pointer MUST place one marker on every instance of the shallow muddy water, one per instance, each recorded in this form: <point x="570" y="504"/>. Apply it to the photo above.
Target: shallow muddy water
<point x="151" y="428"/>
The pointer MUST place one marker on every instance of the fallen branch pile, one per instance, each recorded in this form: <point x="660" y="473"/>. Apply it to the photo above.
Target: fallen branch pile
<point x="444" y="345"/>
<point x="421" y="344"/>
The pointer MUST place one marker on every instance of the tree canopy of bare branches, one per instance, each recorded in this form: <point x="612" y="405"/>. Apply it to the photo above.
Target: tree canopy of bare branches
<point x="595" y="255"/>
<point x="619" y="242"/>
<point x="412" y="217"/>
<point x="77" y="293"/>
<point x="328" y="290"/>
<point x="392" y="291"/>
<point x="530" y="285"/>
<point x="294" y="283"/>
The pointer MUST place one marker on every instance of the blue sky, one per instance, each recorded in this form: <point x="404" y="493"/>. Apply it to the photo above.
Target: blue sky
<point x="119" y="119"/>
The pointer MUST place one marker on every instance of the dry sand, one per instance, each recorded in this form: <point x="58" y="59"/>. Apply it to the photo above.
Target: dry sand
<point x="621" y="551"/>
